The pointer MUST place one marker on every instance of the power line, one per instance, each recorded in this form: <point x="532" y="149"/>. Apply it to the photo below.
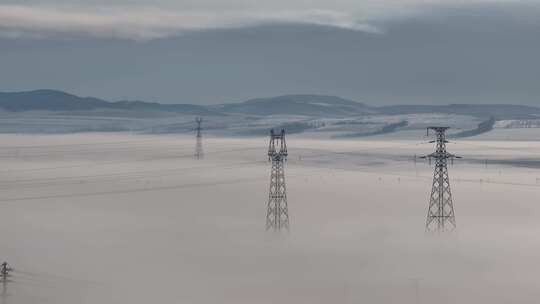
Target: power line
<point x="102" y="163"/>
<point x="141" y="190"/>
<point x="116" y="177"/>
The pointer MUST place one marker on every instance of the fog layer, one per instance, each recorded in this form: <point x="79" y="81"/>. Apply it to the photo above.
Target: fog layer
<point x="136" y="219"/>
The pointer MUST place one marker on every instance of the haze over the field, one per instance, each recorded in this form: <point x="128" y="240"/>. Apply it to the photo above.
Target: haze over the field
<point x="379" y="52"/>
<point x="118" y="218"/>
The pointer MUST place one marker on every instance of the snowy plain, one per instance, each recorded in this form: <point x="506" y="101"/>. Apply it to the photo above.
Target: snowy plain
<point x="123" y="218"/>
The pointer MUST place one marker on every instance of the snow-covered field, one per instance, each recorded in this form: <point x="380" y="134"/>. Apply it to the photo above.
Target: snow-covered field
<point x="118" y="218"/>
<point x="34" y="122"/>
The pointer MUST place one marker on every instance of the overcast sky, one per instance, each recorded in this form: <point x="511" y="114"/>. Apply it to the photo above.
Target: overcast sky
<point x="210" y="51"/>
<point x="150" y="19"/>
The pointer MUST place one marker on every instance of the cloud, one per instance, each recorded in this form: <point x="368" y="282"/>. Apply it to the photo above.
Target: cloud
<point x="151" y="19"/>
<point x="146" y="23"/>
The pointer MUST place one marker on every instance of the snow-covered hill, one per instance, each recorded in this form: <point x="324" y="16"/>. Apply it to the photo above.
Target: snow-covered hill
<point x="318" y="116"/>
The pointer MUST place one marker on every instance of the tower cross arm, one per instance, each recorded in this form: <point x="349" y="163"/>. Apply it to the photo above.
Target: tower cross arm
<point x="441" y="155"/>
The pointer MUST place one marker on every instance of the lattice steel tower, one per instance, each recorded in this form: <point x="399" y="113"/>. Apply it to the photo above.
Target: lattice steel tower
<point x="277" y="214"/>
<point x="198" y="146"/>
<point x="4" y="271"/>
<point x="440" y="215"/>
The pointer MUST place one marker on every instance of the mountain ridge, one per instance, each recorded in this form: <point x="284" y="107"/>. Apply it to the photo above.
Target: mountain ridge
<point x="294" y="104"/>
<point x="299" y="104"/>
<point x="56" y="100"/>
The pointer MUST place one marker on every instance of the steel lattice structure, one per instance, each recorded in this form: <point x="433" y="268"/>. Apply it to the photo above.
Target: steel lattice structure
<point x="4" y="271"/>
<point x="277" y="214"/>
<point x="198" y="146"/>
<point x="440" y="215"/>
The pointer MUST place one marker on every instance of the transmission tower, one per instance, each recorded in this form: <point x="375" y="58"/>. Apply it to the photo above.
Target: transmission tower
<point x="4" y="271"/>
<point x="440" y="215"/>
<point x="198" y="146"/>
<point x="277" y="214"/>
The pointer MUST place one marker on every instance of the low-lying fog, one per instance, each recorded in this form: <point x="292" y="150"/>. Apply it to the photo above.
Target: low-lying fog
<point x="136" y="219"/>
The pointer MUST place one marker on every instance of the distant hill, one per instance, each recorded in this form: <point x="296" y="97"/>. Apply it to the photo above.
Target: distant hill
<point x="309" y="105"/>
<point x="52" y="100"/>
<point x="319" y="115"/>
<point x="306" y="105"/>
<point x="484" y="111"/>
<point x="49" y="100"/>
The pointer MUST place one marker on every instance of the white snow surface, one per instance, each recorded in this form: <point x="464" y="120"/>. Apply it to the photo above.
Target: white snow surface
<point x="120" y="218"/>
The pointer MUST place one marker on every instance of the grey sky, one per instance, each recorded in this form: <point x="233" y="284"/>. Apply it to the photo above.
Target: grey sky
<point x="379" y="52"/>
<point x="146" y="19"/>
